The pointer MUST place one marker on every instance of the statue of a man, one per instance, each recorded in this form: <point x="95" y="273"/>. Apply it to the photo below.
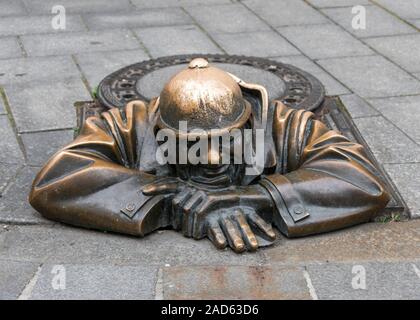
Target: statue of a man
<point x="312" y="179"/>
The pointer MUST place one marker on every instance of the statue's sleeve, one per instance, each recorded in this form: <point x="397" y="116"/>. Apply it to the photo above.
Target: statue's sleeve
<point x="322" y="181"/>
<point x="94" y="182"/>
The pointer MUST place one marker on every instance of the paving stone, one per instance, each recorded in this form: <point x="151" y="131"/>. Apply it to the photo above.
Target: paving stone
<point x="14" y="276"/>
<point x="337" y="3"/>
<point x="416" y="22"/>
<point x="371" y="76"/>
<point x="8" y="8"/>
<point x="404" y="9"/>
<point x="407" y="176"/>
<point x="387" y="142"/>
<point x="382" y="242"/>
<point x="260" y="44"/>
<point x="62" y="244"/>
<point x="9" y="148"/>
<point x="399" y="49"/>
<point x="14" y="205"/>
<point x="7" y="173"/>
<point x="27" y="70"/>
<point x="46" y="105"/>
<point x="383" y="281"/>
<point x="231" y="18"/>
<point x="324" y="41"/>
<point x="9" y="48"/>
<point x="175" y="3"/>
<point x="234" y="282"/>
<point x="162" y="41"/>
<point x="378" y="22"/>
<point x="143" y="18"/>
<point x="357" y="107"/>
<point x="403" y="112"/>
<point x="286" y="12"/>
<point x="40" y="146"/>
<point x="75" y="42"/>
<point x="332" y="86"/>
<point x="79" y="6"/>
<point x="85" y="282"/>
<point x="25" y="25"/>
<point x="97" y="65"/>
<point x="2" y="108"/>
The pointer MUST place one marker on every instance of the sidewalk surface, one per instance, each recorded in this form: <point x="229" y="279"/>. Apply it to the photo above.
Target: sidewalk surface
<point x="376" y="72"/>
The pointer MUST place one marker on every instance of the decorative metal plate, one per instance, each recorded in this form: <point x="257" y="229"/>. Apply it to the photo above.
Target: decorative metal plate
<point x="302" y="90"/>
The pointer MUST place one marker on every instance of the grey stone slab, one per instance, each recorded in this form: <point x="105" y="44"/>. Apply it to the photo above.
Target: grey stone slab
<point x="405" y="9"/>
<point x="383" y="281"/>
<point x="231" y="18"/>
<point x="378" y="22"/>
<point x="400" y="49"/>
<point x="9" y="148"/>
<point x="324" y="41"/>
<point x="27" y="70"/>
<point x="416" y="22"/>
<point x="337" y="3"/>
<point x="61" y="244"/>
<point x="40" y="146"/>
<point x="7" y="173"/>
<point x="75" y="42"/>
<point x="262" y="44"/>
<point x="403" y="112"/>
<point x="388" y="143"/>
<point x="371" y="76"/>
<point x="86" y="282"/>
<point x="2" y="108"/>
<point x="46" y="105"/>
<point x="357" y="107"/>
<point x="175" y="3"/>
<point x="97" y="65"/>
<point x="9" y="48"/>
<point x="8" y="8"/>
<point x="143" y="18"/>
<point x="162" y="41"/>
<point x="234" y="282"/>
<point x="14" y="205"/>
<point x="14" y="276"/>
<point x="407" y="176"/>
<point x="286" y="12"/>
<point x="79" y="6"/>
<point x="24" y="25"/>
<point x="332" y="86"/>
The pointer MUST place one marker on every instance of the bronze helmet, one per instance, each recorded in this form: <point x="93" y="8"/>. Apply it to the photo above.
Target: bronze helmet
<point x="204" y="96"/>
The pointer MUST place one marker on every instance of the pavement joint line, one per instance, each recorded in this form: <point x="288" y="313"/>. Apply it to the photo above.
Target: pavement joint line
<point x="82" y="17"/>
<point x="25" y="7"/>
<point x="311" y="288"/>
<point x="395" y="15"/>
<point x="46" y="130"/>
<point x="416" y="270"/>
<point x="83" y="77"/>
<point x="22" y="48"/>
<point x="12" y="121"/>
<point x="142" y="46"/>
<point x="361" y="40"/>
<point x="199" y="26"/>
<point x="27" y="291"/>
<point x="301" y="52"/>
<point x="391" y="35"/>
<point x="159" y="285"/>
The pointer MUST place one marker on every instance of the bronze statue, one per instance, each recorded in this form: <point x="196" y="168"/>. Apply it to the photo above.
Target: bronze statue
<point x="312" y="180"/>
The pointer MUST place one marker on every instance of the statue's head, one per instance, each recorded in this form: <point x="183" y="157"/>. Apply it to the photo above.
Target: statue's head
<point x="204" y="102"/>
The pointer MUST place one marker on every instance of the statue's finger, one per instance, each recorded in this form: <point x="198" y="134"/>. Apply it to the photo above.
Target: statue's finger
<point x="215" y="234"/>
<point x="247" y="234"/>
<point x="160" y="188"/>
<point x="234" y="235"/>
<point x="265" y="230"/>
<point x="177" y="203"/>
<point x="188" y="212"/>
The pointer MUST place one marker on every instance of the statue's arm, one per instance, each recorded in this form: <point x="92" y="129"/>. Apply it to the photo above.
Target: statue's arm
<point x="92" y="182"/>
<point x="324" y="181"/>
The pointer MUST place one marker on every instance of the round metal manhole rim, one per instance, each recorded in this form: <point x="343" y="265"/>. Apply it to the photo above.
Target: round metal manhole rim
<point x="302" y="90"/>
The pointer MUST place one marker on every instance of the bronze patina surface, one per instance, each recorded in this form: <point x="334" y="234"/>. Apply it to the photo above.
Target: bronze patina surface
<point x="314" y="179"/>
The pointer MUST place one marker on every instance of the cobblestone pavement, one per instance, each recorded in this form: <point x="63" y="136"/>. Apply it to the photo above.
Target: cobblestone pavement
<point x="42" y="72"/>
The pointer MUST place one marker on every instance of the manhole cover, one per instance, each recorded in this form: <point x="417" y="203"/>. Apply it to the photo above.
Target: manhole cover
<point x="145" y="80"/>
